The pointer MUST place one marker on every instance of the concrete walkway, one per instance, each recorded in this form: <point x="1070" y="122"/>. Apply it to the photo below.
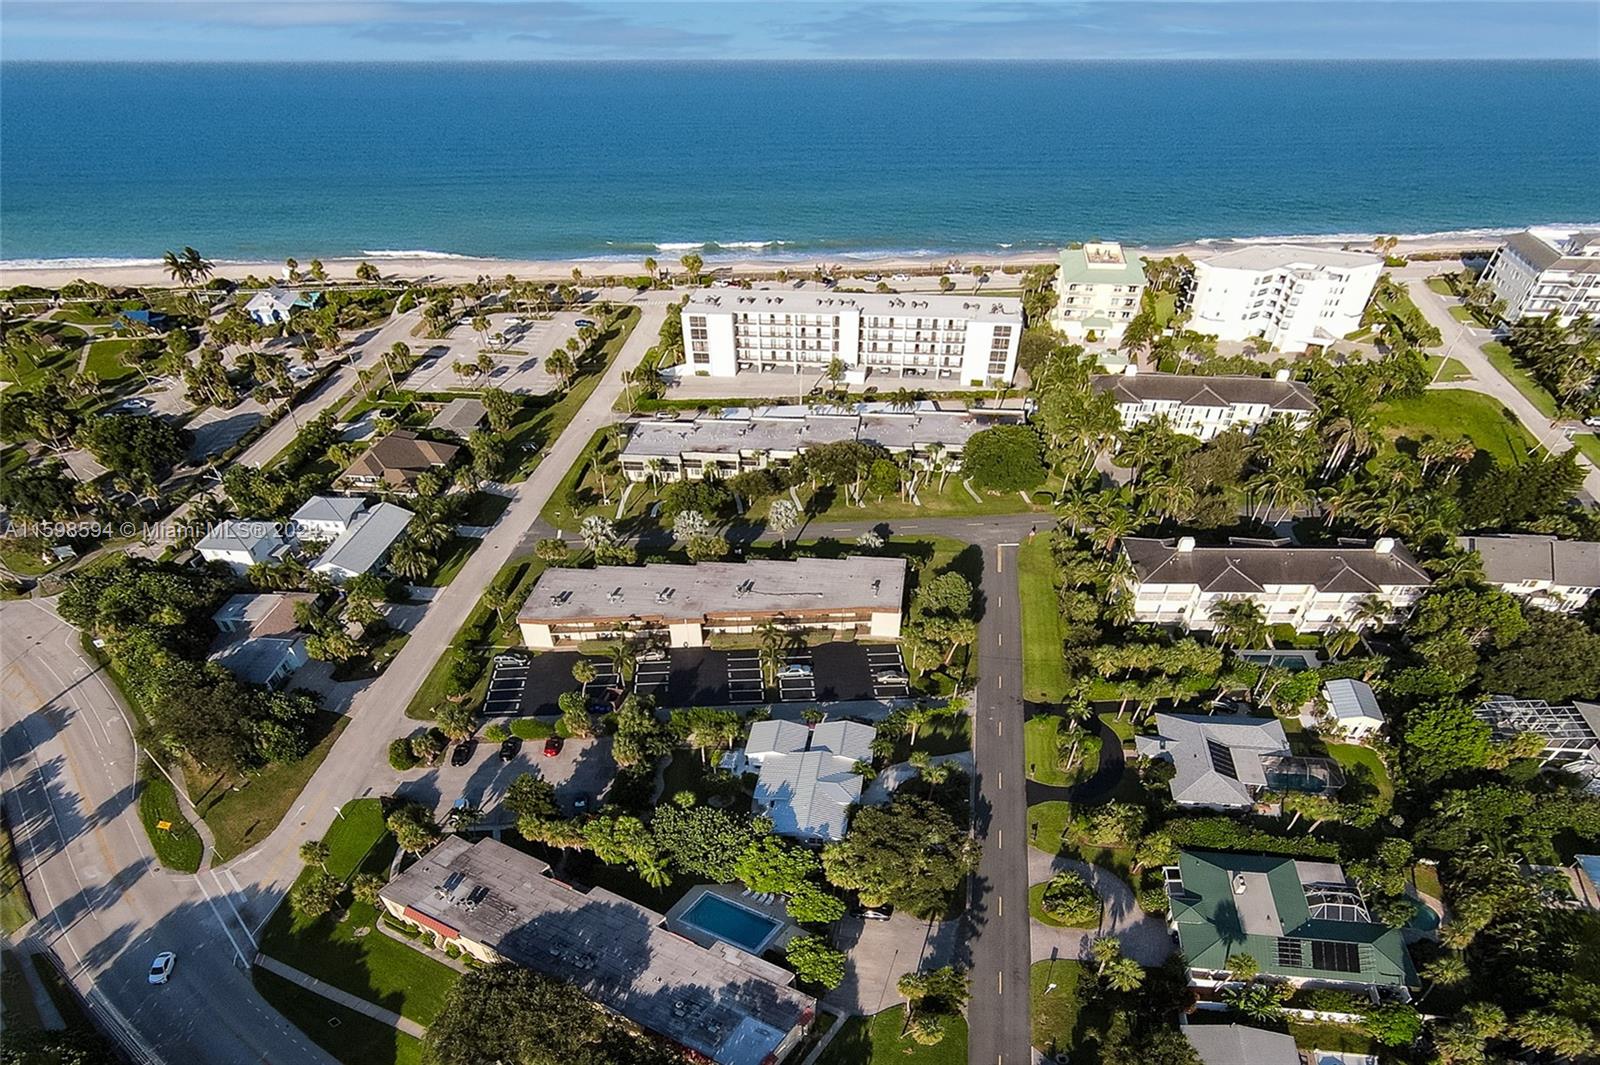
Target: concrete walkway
<point x="1464" y="343"/>
<point x="1144" y="938"/>
<point x="342" y="998"/>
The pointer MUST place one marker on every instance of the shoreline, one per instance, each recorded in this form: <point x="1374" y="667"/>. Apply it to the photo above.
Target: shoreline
<point x="446" y="267"/>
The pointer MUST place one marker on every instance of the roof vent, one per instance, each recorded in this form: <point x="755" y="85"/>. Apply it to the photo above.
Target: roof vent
<point x="1384" y="546"/>
<point x="560" y="597"/>
<point x="1185" y="544"/>
<point x="876" y="585"/>
<point x="1238" y="883"/>
<point x="664" y="595"/>
<point x="615" y="596"/>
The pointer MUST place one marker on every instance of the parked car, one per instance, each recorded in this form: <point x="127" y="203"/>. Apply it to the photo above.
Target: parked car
<point x="552" y="746"/>
<point x="873" y="915"/>
<point x="510" y="660"/>
<point x="585" y="323"/>
<point x="889" y="676"/>
<point x="161" y="967"/>
<point x="872" y="277"/>
<point x="901" y="277"/>
<point x="1592" y="421"/>
<point x="652" y="654"/>
<point x="463" y="752"/>
<point x="509" y="749"/>
<point x="794" y="670"/>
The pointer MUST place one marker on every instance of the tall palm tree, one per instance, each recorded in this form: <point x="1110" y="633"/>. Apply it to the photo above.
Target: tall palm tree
<point x="1239" y="623"/>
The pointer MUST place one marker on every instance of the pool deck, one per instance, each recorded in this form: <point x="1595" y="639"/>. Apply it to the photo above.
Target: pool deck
<point x="733" y="893"/>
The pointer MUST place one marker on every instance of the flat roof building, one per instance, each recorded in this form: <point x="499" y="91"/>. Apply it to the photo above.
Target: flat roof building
<point x="498" y="904"/>
<point x="691" y="602"/>
<point x="1303" y="921"/>
<point x="1557" y="575"/>
<point x="1205" y="406"/>
<point x="968" y="339"/>
<point x="1291" y="295"/>
<point x="1311" y="589"/>
<point x="808" y="779"/>
<point x="1544" y="271"/>
<point x="738" y="439"/>
<point x="1098" y="290"/>
<point x="1228" y="761"/>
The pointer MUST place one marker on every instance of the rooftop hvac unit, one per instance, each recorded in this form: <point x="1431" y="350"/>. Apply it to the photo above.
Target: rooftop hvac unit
<point x="615" y="596"/>
<point x="1239" y="883"/>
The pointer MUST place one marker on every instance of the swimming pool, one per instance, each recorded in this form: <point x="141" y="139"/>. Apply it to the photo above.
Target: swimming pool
<point x="716" y="916"/>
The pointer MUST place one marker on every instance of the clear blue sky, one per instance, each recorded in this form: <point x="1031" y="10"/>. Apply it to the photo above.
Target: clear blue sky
<point x="781" y="29"/>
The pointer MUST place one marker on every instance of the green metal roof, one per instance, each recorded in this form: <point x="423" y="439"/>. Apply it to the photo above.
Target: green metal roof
<point x="1214" y="922"/>
<point x="1075" y="268"/>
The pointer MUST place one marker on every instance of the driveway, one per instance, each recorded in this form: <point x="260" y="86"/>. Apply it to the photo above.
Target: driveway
<point x="1144" y="938"/>
<point x="879" y="953"/>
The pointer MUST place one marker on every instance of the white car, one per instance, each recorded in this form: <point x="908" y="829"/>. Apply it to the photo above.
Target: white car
<point x="794" y="671"/>
<point x="653" y="654"/>
<point x="889" y="676"/>
<point x="1592" y="421"/>
<point x="161" y="967"/>
<point x="901" y="277"/>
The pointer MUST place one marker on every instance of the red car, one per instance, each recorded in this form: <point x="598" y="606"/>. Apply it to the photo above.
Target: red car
<point x="552" y="746"/>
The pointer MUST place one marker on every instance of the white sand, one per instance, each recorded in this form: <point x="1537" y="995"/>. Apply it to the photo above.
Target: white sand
<point x="465" y="269"/>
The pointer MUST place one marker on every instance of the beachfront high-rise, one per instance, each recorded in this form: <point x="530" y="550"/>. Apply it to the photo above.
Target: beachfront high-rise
<point x="926" y="339"/>
<point x="1290" y="295"/>
<point x="1541" y="272"/>
<point x="1098" y="288"/>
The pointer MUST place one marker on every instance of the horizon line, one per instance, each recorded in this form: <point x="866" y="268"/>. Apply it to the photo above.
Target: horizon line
<point x="947" y="60"/>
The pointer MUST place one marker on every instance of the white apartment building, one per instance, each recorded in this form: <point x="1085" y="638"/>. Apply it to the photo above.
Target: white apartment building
<point x="969" y="340"/>
<point x="1098" y="288"/>
<point x="241" y="544"/>
<point x="1310" y="589"/>
<point x="1292" y="296"/>
<point x="751" y="438"/>
<point x="1542" y="271"/>
<point x="1557" y="575"/>
<point x="1205" y="406"/>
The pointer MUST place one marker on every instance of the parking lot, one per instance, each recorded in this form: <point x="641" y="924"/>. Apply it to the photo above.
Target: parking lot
<point x="519" y="356"/>
<point x="580" y="773"/>
<point x="697" y="676"/>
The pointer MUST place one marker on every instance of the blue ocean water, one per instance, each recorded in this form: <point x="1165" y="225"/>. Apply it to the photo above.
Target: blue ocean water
<point x="247" y="161"/>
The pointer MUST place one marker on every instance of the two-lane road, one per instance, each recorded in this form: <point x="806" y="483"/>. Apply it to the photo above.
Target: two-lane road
<point x="106" y="905"/>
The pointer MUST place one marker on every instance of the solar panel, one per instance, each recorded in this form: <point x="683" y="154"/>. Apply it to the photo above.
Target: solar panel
<point x="1291" y="953"/>
<point x="1335" y="957"/>
<point x="1222" y="759"/>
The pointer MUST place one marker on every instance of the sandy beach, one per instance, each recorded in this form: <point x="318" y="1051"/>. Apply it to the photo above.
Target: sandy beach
<point x="462" y="268"/>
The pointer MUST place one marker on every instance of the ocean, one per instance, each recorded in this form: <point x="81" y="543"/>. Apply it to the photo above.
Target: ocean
<point x="807" y="161"/>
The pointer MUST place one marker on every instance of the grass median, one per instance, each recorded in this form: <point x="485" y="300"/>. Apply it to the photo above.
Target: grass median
<point x="1044" y="667"/>
<point x="177" y="844"/>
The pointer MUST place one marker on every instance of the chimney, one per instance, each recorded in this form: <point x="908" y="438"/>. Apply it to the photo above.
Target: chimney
<point x="1281" y="375"/>
<point x="1185" y="544"/>
<point x="1384" y="546"/>
<point x="1130" y="370"/>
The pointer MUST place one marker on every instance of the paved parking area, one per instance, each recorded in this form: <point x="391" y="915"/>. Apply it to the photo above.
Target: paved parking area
<point x="698" y="676"/>
<point x="581" y="771"/>
<point x="519" y="365"/>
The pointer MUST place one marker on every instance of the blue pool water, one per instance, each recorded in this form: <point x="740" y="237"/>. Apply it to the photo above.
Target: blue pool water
<point x="744" y="928"/>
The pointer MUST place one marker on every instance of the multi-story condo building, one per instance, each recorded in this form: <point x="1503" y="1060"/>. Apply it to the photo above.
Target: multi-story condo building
<point x="1310" y="589"/>
<point x="1098" y="288"/>
<point x="741" y="438"/>
<point x="688" y="604"/>
<point x="1292" y="296"/>
<point x="1206" y="406"/>
<point x="1558" y="575"/>
<point x="1541" y="272"/>
<point x="964" y="339"/>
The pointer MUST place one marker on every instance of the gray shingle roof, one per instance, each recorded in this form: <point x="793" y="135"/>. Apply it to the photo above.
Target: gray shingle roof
<point x="1237" y="1044"/>
<point x="722" y="1003"/>
<point x="1223" y="568"/>
<point x="1509" y="558"/>
<point x="1194" y="390"/>
<point x="341" y="509"/>
<point x="808" y="790"/>
<point x="459" y="416"/>
<point x="241" y="535"/>
<point x="1203" y="777"/>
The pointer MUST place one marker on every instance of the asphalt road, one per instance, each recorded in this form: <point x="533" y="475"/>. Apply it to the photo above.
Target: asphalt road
<point x="107" y="906"/>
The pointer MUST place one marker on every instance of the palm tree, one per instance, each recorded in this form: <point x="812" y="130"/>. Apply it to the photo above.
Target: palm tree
<point x="410" y="559"/>
<point x="1448" y="970"/>
<point x="1370" y="612"/>
<point x="1340" y="642"/>
<point x="177" y="268"/>
<point x="773" y="643"/>
<point x="1239" y="622"/>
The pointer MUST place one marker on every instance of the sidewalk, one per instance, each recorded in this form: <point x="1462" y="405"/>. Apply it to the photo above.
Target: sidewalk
<point x="343" y="998"/>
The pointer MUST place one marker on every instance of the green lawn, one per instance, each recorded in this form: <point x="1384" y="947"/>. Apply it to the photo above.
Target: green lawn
<point x="1588" y="444"/>
<point x="178" y="846"/>
<point x="1325" y="1035"/>
<point x="953" y="502"/>
<point x="372" y="965"/>
<point x="1443" y="369"/>
<point x="1041" y="737"/>
<point x="1124" y="728"/>
<point x="452" y="557"/>
<point x="15" y="909"/>
<point x="877" y="1040"/>
<point x="1165" y="305"/>
<point x="1427" y="880"/>
<point x="1462" y="314"/>
<point x="1500" y="358"/>
<point x="1047" y="824"/>
<point x="1362" y="767"/>
<point x="105" y="359"/>
<point x="1448" y="415"/>
<point x="241" y="819"/>
<point x="1440" y="285"/>
<point x="1060" y="1020"/>
<point x="351" y="1037"/>
<point x="1044" y="668"/>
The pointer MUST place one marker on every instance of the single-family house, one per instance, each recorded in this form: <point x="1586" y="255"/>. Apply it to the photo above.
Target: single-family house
<point x="1354" y="707"/>
<point x="365" y="545"/>
<point x="1558" y="575"/>
<point x="459" y="417"/>
<point x="325" y="517"/>
<point x="258" y="639"/>
<point x="1227" y="761"/>
<point x="1240" y="1044"/>
<point x="1571" y="731"/>
<point x="241" y="544"/>
<point x="393" y="463"/>
<point x="808" y="780"/>
<point x="275" y="305"/>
